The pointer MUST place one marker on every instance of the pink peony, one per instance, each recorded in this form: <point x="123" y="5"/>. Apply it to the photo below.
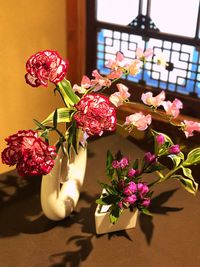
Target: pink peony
<point x="190" y="127"/>
<point x="119" y="97"/>
<point x="156" y="101"/>
<point x="95" y="114"/>
<point x="45" y="66"/>
<point x="139" y="120"/>
<point x="29" y="152"/>
<point x="172" y="108"/>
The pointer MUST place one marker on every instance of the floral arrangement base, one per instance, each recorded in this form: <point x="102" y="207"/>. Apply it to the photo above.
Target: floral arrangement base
<point x="103" y="225"/>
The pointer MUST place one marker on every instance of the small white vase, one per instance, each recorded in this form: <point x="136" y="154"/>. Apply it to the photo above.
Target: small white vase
<point x="103" y="225"/>
<point x="60" y="189"/>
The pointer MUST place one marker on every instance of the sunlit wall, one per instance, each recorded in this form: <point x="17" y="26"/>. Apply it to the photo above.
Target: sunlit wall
<point x="26" y="27"/>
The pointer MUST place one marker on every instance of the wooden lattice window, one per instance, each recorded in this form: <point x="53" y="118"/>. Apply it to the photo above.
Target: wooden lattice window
<point x="170" y="27"/>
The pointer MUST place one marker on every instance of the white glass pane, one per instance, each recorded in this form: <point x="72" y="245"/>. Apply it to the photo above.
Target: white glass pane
<point x="120" y="12"/>
<point x="175" y="16"/>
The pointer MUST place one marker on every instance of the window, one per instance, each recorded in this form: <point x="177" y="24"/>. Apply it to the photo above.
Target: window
<point x="169" y="27"/>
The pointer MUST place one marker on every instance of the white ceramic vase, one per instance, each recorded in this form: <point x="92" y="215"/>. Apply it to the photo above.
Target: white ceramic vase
<point x="103" y="225"/>
<point x="60" y="189"/>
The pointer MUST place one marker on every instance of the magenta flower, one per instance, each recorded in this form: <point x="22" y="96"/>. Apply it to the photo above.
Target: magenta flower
<point x="143" y="189"/>
<point x="172" y="108"/>
<point x="118" y="98"/>
<point x="120" y="204"/>
<point x="124" y="162"/>
<point x="140" y="121"/>
<point x="146" y="202"/>
<point x="95" y="114"/>
<point x="116" y="164"/>
<point x="190" y="127"/>
<point x="160" y="139"/>
<point x="130" y="199"/>
<point x="130" y="189"/>
<point x="132" y="172"/>
<point x="149" y="157"/>
<point x="156" y="101"/>
<point x="175" y="149"/>
<point x="45" y="66"/>
<point x="29" y="152"/>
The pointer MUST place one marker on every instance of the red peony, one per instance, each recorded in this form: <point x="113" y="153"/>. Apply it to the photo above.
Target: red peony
<point x="29" y="152"/>
<point x="95" y="114"/>
<point x="45" y="66"/>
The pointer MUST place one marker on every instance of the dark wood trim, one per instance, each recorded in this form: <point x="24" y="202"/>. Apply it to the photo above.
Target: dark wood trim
<point x="76" y="40"/>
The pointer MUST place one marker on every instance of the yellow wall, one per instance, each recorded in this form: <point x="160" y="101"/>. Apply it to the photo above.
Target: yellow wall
<point x="26" y="26"/>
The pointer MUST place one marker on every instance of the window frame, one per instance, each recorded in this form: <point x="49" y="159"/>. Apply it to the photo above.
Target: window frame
<point x="191" y="103"/>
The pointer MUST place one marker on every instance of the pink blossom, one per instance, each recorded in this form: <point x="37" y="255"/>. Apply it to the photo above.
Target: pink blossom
<point x="146" y="202"/>
<point x="85" y="84"/>
<point x="130" y="199"/>
<point x="160" y="139"/>
<point x="115" y="74"/>
<point x="143" y="189"/>
<point x="174" y="149"/>
<point x="124" y="162"/>
<point x="116" y="164"/>
<point x="29" y="152"/>
<point x="95" y="114"/>
<point x="119" y="97"/>
<point x="120" y="204"/>
<point x="45" y="66"/>
<point x="156" y="101"/>
<point x="134" y="67"/>
<point x="130" y="189"/>
<point x="172" y="108"/>
<point x="149" y="157"/>
<point x="117" y="62"/>
<point x="138" y="120"/>
<point x="190" y="127"/>
<point x="99" y="80"/>
<point x="132" y="172"/>
<point x="141" y="54"/>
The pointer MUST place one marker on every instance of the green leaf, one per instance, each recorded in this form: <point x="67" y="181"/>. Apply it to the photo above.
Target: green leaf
<point x="72" y="137"/>
<point x="63" y="115"/>
<point x="193" y="157"/>
<point x="68" y="93"/>
<point x="176" y="158"/>
<point x="109" y="168"/>
<point x="189" y="184"/>
<point x="187" y="172"/>
<point x="114" y="214"/>
<point x="39" y="124"/>
<point x="146" y="211"/>
<point x="109" y="189"/>
<point x="55" y="117"/>
<point x="136" y="164"/>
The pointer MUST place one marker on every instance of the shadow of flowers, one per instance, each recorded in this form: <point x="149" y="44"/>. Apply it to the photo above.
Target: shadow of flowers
<point x="146" y="222"/>
<point x="83" y="242"/>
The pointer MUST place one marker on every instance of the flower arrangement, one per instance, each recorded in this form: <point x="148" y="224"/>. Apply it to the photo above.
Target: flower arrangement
<point x="88" y="112"/>
<point x="127" y="190"/>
